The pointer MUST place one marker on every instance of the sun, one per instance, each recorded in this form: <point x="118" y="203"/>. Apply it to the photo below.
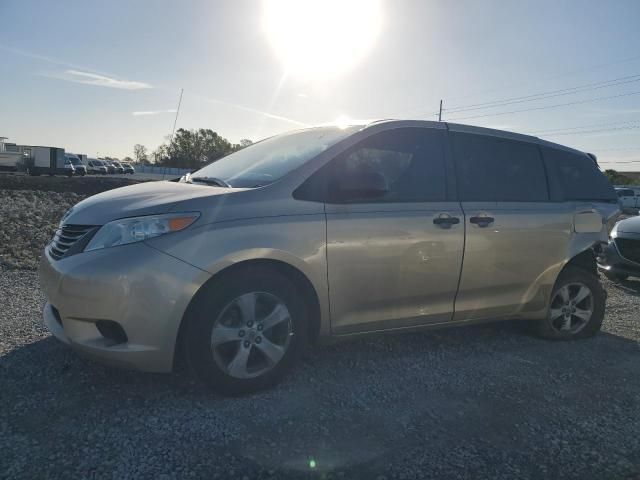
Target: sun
<point x="321" y="38"/>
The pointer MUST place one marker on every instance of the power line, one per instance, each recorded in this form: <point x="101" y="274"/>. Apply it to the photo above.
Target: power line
<point x="599" y="130"/>
<point x="552" y="77"/>
<point x="544" y="95"/>
<point x="592" y="125"/>
<point x="577" y="102"/>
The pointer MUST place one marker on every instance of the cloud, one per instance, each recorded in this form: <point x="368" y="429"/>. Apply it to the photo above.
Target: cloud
<point x="98" y="80"/>
<point x="152" y="112"/>
<point x="80" y="74"/>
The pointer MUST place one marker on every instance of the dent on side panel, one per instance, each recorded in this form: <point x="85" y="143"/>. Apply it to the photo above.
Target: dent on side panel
<point x="298" y="240"/>
<point x="589" y="229"/>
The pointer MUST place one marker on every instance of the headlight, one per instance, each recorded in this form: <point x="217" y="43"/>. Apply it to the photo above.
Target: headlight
<point x="137" y="229"/>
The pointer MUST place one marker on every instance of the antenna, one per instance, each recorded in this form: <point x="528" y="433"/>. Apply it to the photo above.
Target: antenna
<point x="440" y="113"/>
<point x="176" y="119"/>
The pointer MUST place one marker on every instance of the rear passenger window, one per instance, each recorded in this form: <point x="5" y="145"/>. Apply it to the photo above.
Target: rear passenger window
<point x="578" y="175"/>
<point x="492" y="169"/>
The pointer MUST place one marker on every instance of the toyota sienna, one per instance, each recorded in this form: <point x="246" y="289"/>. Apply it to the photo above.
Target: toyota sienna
<point x="328" y="233"/>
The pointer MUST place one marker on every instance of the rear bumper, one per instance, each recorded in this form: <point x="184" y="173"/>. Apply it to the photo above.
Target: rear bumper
<point x="145" y="291"/>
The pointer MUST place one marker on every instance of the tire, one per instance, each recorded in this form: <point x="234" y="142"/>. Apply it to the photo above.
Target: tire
<point x="615" y="277"/>
<point x="554" y="327"/>
<point x="217" y="308"/>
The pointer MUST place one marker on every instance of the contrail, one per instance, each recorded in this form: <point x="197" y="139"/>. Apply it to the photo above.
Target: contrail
<point x="252" y="110"/>
<point x="54" y="61"/>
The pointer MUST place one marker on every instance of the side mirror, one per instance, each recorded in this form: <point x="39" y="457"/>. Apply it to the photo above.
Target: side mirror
<point x="361" y="185"/>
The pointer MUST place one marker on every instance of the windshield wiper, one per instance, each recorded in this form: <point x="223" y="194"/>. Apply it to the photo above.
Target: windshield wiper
<point x="210" y="181"/>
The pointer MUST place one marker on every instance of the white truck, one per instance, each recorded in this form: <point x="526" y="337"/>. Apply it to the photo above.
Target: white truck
<point x="628" y="199"/>
<point x="48" y="161"/>
<point x="95" y="166"/>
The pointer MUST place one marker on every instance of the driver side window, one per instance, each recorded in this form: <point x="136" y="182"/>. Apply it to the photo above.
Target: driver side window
<point x="408" y="162"/>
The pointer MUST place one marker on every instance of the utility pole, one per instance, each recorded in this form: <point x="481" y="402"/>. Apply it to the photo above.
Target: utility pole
<point x="440" y="114"/>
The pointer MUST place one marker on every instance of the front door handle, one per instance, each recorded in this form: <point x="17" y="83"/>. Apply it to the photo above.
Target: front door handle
<point x="482" y="221"/>
<point x="446" y="222"/>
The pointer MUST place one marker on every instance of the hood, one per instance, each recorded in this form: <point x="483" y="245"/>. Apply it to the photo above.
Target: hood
<point x="150" y="198"/>
<point x="629" y="225"/>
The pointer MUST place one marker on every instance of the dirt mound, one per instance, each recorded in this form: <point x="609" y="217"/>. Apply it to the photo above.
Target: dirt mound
<point x="89" y="185"/>
<point x="28" y="220"/>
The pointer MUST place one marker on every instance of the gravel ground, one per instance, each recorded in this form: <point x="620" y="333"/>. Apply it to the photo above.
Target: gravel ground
<point x="465" y="403"/>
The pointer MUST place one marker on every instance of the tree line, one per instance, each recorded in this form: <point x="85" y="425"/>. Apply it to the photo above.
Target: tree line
<point x="190" y="149"/>
<point x="617" y="178"/>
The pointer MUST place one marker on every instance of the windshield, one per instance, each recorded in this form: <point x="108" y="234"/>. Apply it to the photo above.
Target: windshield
<point x="75" y="160"/>
<point x="271" y="159"/>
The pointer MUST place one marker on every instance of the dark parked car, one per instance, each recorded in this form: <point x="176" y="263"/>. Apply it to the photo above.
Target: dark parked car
<point x="79" y="168"/>
<point x="128" y="168"/>
<point x="110" y="166"/>
<point x="97" y="166"/>
<point x="119" y="168"/>
<point x="621" y="257"/>
<point x="113" y="167"/>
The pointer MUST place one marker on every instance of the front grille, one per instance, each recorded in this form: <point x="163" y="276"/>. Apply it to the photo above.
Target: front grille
<point x="70" y="239"/>
<point x="629" y="249"/>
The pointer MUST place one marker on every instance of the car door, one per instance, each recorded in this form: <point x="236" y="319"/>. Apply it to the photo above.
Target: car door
<point x="515" y="235"/>
<point x="393" y="260"/>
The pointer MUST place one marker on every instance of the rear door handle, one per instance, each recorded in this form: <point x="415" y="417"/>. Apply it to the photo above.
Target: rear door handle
<point x="446" y="221"/>
<point x="482" y="221"/>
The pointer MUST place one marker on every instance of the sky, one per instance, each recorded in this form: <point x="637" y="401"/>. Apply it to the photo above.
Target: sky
<point x="99" y="77"/>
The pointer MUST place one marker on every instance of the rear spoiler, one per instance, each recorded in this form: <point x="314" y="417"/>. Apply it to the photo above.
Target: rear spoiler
<point x="593" y="157"/>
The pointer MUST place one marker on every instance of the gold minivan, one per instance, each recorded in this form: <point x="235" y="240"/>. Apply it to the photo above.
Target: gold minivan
<point x="328" y="233"/>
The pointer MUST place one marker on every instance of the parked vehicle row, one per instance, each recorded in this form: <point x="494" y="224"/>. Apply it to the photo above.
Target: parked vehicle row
<point x="40" y="160"/>
<point x="328" y="233"/>
<point x="74" y="164"/>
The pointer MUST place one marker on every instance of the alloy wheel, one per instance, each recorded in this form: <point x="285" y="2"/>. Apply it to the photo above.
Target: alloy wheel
<point x="571" y="308"/>
<point x="251" y="335"/>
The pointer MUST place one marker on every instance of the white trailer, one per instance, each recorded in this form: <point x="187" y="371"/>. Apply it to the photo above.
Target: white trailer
<point x="48" y="161"/>
<point x="11" y="155"/>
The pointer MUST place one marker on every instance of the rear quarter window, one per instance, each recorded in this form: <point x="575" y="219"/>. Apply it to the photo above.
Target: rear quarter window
<point x="577" y="176"/>
<point x="491" y="169"/>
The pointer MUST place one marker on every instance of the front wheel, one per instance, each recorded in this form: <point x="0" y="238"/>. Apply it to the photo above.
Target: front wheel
<point x="245" y="331"/>
<point x="577" y="306"/>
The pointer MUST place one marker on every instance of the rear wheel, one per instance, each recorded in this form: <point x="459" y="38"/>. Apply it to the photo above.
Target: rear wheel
<point x="245" y="331"/>
<point x="577" y="306"/>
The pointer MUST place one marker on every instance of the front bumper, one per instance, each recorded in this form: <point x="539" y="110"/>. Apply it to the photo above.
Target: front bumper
<point x="142" y="289"/>
<point x="611" y="261"/>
